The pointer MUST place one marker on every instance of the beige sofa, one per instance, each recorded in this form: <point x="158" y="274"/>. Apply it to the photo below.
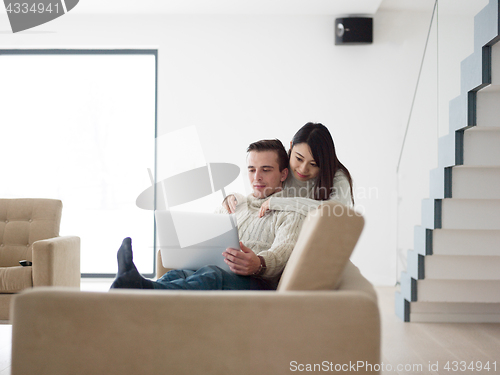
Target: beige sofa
<point x="323" y="315"/>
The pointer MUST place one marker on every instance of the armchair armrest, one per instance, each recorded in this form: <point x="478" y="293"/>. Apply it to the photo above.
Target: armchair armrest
<point x="189" y="332"/>
<point x="56" y="262"/>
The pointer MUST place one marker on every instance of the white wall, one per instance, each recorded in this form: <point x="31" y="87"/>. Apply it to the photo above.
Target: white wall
<point x="243" y="78"/>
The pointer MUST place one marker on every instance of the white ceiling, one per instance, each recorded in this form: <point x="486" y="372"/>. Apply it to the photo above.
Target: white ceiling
<point x="324" y="7"/>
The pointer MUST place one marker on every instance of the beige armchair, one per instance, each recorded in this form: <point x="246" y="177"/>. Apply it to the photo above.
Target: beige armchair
<point x="29" y="230"/>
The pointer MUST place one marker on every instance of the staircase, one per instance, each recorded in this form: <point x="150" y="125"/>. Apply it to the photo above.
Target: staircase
<point x="453" y="272"/>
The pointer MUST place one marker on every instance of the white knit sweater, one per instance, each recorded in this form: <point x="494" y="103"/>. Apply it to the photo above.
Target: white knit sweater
<point x="273" y="236"/>
<point x="298" y="195"/>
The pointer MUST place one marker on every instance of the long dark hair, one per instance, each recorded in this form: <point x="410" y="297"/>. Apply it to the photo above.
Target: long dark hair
<point x="320" y="141"/>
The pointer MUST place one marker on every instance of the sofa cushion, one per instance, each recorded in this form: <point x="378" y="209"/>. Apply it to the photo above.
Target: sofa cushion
<point x="323" y="248"/>
<point x="15" y="279"/>
<point x="24" y="221"/>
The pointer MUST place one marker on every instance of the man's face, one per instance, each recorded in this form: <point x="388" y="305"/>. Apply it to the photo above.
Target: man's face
<point x="264" y="173"/>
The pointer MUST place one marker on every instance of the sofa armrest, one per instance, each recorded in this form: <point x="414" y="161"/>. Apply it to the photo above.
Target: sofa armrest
<point x="190" y="332"/>
<point x="160" y="270"/>
<point x="56" y="262"/>
<point x="352" y="279"/>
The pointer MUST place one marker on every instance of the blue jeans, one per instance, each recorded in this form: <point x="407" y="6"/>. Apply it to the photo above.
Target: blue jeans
<point x="209" y="278"/>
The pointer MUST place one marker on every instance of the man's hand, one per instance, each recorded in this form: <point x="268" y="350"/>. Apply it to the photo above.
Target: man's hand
<point x="243" y="262"/>
<point x="229" y="203"/>
<point x="264" y="208"/>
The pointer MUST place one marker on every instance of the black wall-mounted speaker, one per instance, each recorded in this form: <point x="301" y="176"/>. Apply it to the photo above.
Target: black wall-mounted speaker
<point x="354" y="30"/>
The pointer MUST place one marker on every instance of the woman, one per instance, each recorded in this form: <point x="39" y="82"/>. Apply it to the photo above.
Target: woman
<point x="315" y="174"/>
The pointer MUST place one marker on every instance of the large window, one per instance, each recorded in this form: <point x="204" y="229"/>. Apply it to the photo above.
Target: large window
<point x="79" y="125"/>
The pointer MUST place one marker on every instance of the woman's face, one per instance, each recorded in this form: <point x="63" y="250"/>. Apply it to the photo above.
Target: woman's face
<point x="302" y="163"/>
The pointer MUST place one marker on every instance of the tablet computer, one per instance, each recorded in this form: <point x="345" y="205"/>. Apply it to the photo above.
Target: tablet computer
<point x="191" y="240"/>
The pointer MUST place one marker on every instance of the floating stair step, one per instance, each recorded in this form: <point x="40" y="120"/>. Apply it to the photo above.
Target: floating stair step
<point x="452" y="267"/>
<point x="431" y="213"/>
<point x="423" y="240"/>
<point x="485" y="30"/>
<point x="437" y="183"/>
<point x="456" y="242"/>
<point x="457" y="113"/>
<point x="415" y="266"/>
<point x="408" y="287"/>
<point x="470" y="214"/>
<point x="401" y="307"/>
<point x="485" y="25"/>
<point x="488" y="106"/>
<point x="471" y="291"/>
<point x="465" y="181"/>
<point x="455" y="307"/>
<point x="482" y="146"/>
<point x="465" y="242"/>
<point x="471" y="72"/>
<point x="453" y="318"/>
<point x="454" y="312"/>
<point x="446" y="150"/>
<point x="454" y="213"/>
<point x="461" y="267"/>
<point x="495" y="64"/>
<point x="476" y="182"/>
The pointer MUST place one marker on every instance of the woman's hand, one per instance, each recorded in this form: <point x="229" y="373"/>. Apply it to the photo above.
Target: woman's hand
<point x="264" y="208"/>
<point x="229" y="203"/>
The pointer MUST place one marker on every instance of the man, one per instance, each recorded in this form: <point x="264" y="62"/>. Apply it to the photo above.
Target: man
<point x="266" y="243"/>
